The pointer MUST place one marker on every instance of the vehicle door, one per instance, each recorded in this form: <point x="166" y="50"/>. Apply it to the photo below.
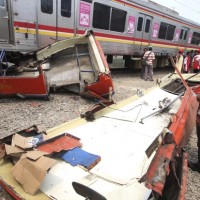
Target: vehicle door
<point x="47" y="22"/>
<point x="4" y="22"/>
<point x="182" y="42"/>
<point x="66" y="18"/>
<point x="143" y="31"/>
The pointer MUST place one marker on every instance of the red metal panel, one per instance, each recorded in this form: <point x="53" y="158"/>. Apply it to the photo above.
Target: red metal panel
<point x="184" y="121"/>
<point x="184" y="177"/>
<point x="23" y="85"/>
<point x="64" y="142"/>
<point x="101" y="87"/>
<point x="181" y="127"/>
<point x="159" y="168"/>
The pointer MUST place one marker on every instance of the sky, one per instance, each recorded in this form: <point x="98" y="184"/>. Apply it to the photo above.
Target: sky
<point x="189" y="9"/>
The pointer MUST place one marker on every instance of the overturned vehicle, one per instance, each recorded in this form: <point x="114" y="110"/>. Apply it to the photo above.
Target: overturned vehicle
<point x="76" y="65"/>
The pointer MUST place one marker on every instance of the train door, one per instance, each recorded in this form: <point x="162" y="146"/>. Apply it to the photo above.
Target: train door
<point x="183" y="37"/>
<point x="4" y="22"/>
<point x="66" y="18"/>
<point x="55" y="20"/>
<point x="47" y="22"/>
<point x="143" y="32"/>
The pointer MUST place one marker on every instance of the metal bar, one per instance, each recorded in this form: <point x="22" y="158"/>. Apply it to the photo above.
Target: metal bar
<point x="36" y="24"/>
<point x="83" y="54"/>
<point x="158" y="111"/>
<point x="181" y="86"/>
<point x="78" y="62"/>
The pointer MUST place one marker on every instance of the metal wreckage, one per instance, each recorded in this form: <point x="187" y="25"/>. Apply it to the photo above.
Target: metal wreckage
<point x="76" y="65"/>
<point x="134" y="149"/>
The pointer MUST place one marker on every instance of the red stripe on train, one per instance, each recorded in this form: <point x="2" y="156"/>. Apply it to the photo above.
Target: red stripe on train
<point x="42" y="27"/>
<point x="97" y="34"/>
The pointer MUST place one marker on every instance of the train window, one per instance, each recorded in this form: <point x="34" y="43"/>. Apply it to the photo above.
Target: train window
<point x="166" y="31"/>
<point x="47" y="6"/>
<point x="147" y="27"/>
<point x="194" y="38"/>
<point x="2" y="3"/>
<point x="118" y="18"/>
<point x="181" y="35"/>
<point x="170" y="32"/>
<point x="162" y="31"/>
<point x="140" y="23"/>
<point x="101" y="16"/>
<point x="185" y="35"/>
<point x="66" y="8"/>
<point x="198" y="39"/>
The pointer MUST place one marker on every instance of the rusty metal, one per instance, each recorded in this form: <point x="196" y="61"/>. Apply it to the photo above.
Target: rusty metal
<point x="182" y="125"/>
<point x="184" y="176"/>
<point x="159" y="168"/>
<point x="57" y="144"/>
<point x="89" y="115"/>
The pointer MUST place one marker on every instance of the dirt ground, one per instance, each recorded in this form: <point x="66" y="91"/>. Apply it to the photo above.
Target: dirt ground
<point x="17" y="114"/>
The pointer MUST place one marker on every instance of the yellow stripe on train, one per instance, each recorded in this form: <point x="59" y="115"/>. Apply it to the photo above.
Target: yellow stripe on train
<point x="101" y="39"/>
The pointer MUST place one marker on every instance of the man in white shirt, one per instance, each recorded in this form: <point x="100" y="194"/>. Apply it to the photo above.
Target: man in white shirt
<point x="149" y="56"/>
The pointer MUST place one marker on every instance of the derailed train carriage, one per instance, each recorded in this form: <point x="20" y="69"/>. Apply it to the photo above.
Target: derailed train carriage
<point x="123" y="27"/>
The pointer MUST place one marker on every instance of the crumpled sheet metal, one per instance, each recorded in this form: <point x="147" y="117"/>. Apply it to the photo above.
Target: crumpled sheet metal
<point x="184" y="177"/>
<point x="159" y="168"/>
<point x="182" y="125"/>
<point x="64" y="142"/>
<point x="78" y="65"/>
<point x="184" y="121"/>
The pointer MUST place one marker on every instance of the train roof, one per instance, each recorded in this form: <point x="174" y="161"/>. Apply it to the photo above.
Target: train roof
<point x="162" y="9"/>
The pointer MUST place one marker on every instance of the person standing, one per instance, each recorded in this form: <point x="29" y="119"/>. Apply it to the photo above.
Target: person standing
<point x="191" y="58"/>
<point x="186" y="63"/>
<point x="179" y="60"/>
<point x="149" y="56"/>
<point x="143" y="64"/>
<point x="196" y="62"/>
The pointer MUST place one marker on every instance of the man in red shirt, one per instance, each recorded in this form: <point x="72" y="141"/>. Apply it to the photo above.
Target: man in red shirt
<point x="196" y="62"/>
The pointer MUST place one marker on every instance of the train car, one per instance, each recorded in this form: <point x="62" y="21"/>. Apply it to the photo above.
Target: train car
<point x="123" y="27"/>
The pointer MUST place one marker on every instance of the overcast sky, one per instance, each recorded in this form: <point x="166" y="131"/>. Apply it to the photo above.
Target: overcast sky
<point x="189" y="9"/>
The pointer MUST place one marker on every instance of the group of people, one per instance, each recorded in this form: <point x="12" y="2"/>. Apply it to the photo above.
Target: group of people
<point x="190" y="63"/>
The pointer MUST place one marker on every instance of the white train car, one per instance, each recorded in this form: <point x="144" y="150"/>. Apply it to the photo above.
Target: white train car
<point x="123" y="27"/>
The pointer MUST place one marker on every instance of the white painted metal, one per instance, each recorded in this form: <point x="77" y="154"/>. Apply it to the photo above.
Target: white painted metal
<point x="121" y="140"/>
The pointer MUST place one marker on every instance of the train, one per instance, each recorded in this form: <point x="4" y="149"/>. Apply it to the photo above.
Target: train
<point x="123" y="27"/>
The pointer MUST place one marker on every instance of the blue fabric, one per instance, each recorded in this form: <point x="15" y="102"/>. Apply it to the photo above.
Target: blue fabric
<point x="78" y="156"/>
